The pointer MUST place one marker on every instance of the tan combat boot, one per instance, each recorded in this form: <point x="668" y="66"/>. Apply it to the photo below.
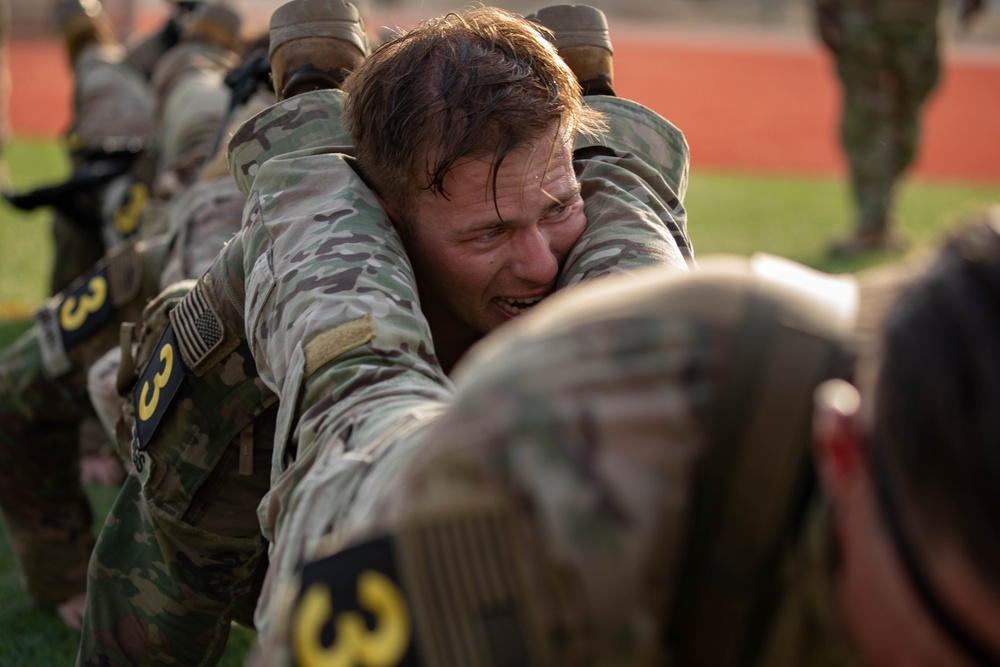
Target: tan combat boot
<point x="315" y="44"/>
<point x="82" y="23"/>
<point x="582" y="39"/>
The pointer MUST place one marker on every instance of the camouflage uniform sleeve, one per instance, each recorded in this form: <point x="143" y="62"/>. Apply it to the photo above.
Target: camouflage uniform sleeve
<point x="633" y="180"/>
<point x="200" y="221"/>
<point x="333" y="321"/>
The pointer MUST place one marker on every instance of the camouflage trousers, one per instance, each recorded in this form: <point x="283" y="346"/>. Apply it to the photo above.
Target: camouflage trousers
<point x="182" y="555"/>
<point x="42" y="404"/>
<point x="888" y="64"/>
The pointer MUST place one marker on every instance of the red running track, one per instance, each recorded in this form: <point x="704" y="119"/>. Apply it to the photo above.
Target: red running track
<point x="747" y="101"/>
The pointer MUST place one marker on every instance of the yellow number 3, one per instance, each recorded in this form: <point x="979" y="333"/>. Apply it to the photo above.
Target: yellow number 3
<point x="127" y="217"/>
<point x="356" y="645"/>
<point x="74" y="312"/>
<point x="147" y="408"/>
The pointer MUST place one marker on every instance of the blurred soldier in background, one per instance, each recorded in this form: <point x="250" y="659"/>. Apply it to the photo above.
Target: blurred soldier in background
<point x="624" y="477"/>
<point x="113" y="124"/>
<point x="43" y="375"/>
<point x="886" y="54"/>
<point x="142" y="52"/>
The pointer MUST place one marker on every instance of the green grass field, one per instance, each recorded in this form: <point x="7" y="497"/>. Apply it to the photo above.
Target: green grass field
<point x="730" y="213"/>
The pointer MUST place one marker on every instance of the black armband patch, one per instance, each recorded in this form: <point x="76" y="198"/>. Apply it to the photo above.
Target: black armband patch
<point x="156" y="388"/>
<point x="352" y="605"/>
<point x="77" y="313"/>
<point x="447" y="591"/>
<point x="85" y="308"/>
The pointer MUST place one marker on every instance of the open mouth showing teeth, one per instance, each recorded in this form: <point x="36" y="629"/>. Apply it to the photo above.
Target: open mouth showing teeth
<point x="518" y="306"/>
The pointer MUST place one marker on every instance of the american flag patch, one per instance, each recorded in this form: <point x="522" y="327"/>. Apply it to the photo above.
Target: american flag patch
<point x="198" y="327"/>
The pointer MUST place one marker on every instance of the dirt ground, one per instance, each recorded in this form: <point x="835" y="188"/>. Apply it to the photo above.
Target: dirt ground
<point x="753" y="95"/>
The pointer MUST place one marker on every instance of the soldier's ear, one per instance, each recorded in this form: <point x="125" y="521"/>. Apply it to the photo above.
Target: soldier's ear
<point x="838" y="438"/>
<point x="389" y="210"/>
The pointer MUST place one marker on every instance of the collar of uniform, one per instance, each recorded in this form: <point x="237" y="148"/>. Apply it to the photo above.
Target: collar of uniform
<point x="304" y="124"/>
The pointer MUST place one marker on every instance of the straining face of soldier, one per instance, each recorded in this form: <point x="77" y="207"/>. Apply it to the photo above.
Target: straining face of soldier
<point x="492" y="249"/>
<point x="904" y="599"/>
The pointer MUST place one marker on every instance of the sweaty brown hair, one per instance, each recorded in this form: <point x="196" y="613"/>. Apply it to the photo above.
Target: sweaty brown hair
<point x="480" y="83"/>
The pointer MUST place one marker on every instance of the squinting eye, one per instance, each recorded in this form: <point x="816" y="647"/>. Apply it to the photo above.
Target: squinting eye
<point x="488" y="236"/>
<point x="557" y="212"/>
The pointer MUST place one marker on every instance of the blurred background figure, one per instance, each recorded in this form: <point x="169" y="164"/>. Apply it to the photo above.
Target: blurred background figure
<point x="886" y="55"/>
<point x="112" y="124"/>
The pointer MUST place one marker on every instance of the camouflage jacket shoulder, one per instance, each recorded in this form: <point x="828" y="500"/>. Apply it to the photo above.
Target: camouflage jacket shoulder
<point x="304" y="124"/>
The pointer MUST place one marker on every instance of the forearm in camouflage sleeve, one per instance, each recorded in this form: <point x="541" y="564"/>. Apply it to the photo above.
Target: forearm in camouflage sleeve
<point x="201" y="219"/>
<point x="334" y="322"/>
<point x="634" y="178"/>
<point x="331" y="315"/>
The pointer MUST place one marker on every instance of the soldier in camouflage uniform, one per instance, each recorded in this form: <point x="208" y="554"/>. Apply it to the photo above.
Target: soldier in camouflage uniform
<point x="43" y="375"/>
<point x="886" y="53"/>
<point x="113" y="119"/>
<point x="199" y="478"/>
<point x="623" y="477"/>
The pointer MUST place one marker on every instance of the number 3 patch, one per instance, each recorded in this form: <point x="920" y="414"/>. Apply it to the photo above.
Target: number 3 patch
<point x="157" y="387"/>
<point x="351" y="611"/>
<point x="85" y="309"/>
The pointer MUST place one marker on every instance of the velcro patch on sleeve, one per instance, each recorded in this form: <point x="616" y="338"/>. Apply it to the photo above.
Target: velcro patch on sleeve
<point x="157" y="387"/>
<point x="331" y="344"/>
<point x="202" y="337"/>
